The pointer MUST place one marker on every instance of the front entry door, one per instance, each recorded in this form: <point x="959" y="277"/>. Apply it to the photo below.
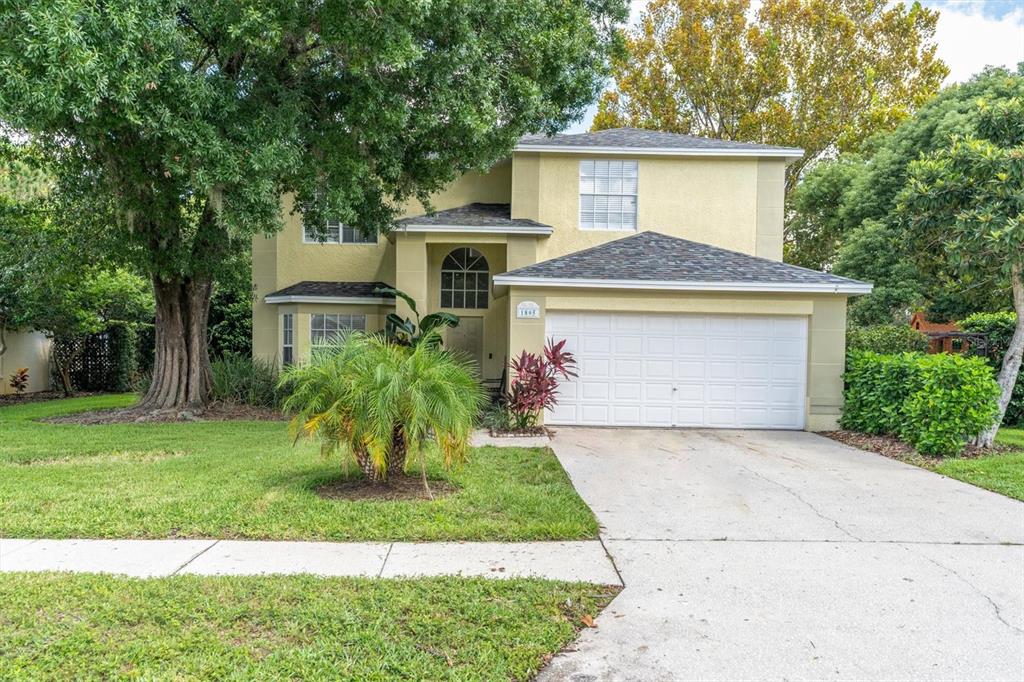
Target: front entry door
<point x="468" y="338"/>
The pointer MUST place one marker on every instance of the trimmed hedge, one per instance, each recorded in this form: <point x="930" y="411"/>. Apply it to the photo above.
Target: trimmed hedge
<point x="934" y="402"/>
<point x="998" y="328"/>
<point x="886" y="339"/>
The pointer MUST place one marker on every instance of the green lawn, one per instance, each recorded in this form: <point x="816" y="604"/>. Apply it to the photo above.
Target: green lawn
<point x="1002" y="473"/>
<point x="67" y="626"/>
<point x="246" y="480"/>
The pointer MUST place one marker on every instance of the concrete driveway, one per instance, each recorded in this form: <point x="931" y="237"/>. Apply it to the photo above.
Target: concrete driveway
<point x="785" y="555"/>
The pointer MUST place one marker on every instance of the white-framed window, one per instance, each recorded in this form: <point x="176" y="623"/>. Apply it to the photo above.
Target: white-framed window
<point x="336" y="233"/>
<point x="325" y="327"/>
<point x="464" y="279"/>
<point x="288" y="338"/>
<point x="608" y="190"/>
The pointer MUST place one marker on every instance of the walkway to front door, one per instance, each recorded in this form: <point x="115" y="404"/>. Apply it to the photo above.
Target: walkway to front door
<point x="785" y="555"/>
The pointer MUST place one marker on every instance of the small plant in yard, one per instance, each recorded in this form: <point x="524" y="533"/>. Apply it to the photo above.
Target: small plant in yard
<point x="377" y="402"/>
<point x="886" y="338"/>
<point x="19" y="380"/>
<point x="411" y="333"/>
<point x="244" y="381"/>
<point x="535" y="385"/>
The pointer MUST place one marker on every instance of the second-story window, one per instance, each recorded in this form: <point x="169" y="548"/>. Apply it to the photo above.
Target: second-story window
<point x="336" y="233"/>
<point x="608" y="195"/>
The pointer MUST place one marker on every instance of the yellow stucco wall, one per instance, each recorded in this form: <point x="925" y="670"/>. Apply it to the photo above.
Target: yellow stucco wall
<point x="30" y="350"/>
<point x="826" y="328"/>
<point x="284" y="259"/>
<point x="735" y="203"/>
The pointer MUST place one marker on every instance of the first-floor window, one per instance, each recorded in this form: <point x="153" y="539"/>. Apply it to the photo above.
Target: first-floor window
<point x="288" y="338"/>
<point x="325" y="327"/>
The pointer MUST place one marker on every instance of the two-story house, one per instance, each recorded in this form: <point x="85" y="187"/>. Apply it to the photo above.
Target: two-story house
<point x="657" y="256"/>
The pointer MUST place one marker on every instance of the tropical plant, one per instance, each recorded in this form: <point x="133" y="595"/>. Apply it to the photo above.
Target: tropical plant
<point x="407" y="332"/>
<point x="535" y="385"/>
<point x="19" y="380"/>
<point x="175" y="128"/>
<point x="377" y="402"/>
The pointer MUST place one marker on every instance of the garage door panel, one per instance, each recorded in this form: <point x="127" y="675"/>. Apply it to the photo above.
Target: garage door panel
<point x="660" y="345"/>
<point x="595" y="390"/>
<point x="629" y="391"/>
<point x="639" y="369"/>
<point x="657" y="392"/>
<point x="594" y="367"/>
<point x="594" y="322"/>
<point x="657" y="415"/>
<point x="631" y="344"/>
<point x="657" y="369"/>
<point x="627" y="369"/>
<point x="723" y="347"/>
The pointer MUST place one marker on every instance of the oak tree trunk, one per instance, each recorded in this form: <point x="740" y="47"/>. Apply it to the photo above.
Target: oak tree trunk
<point x="181" y="368"/>
<point x="1011" y="361"/>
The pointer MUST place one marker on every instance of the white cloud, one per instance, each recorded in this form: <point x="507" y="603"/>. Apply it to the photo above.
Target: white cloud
<point x="969" y="38"/>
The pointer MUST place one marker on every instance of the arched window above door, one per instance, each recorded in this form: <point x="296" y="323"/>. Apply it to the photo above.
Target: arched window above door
<point x="464" y="279"/>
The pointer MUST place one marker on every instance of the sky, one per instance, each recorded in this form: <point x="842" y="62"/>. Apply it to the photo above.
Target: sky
<point x="971" y="34"/>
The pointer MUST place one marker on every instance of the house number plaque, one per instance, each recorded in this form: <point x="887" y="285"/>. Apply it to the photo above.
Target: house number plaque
<point x="528" y="310"/>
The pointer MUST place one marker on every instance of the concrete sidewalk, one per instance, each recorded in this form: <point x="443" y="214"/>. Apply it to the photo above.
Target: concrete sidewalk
<point x="584" y="561"/>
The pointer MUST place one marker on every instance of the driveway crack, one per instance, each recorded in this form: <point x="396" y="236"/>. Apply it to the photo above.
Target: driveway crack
<point x="789" y="490"/>
<point x="995" y="606"/>
<point x="797" y="496"/>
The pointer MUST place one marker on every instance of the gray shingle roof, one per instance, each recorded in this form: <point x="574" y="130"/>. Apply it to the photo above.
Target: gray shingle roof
<point x="645" y="139"/>
<point x="655" y="257"/>
<point x="474" y="215"/>
<point x="333" y="290"/>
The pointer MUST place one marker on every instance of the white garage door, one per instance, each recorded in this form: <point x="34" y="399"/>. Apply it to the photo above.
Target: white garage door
<point x="721" y="371"/>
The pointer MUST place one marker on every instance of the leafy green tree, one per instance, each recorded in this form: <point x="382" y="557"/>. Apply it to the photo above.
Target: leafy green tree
<point x="176" y="127"/>
<point x="873" y="253"/>
<point x="822" y="75"/>
<point x="378" y="402"/>
<point x="231" y="309"/>
<point x="838" y="196"/>
<point x="963" y="205"/>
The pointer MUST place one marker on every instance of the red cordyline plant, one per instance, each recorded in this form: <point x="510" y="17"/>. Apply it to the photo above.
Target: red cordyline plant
<point x="19" y="380"/>
<point x="535" y="386"/>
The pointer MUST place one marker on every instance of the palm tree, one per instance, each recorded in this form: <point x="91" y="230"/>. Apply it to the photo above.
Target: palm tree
<point x="378" y="402"/>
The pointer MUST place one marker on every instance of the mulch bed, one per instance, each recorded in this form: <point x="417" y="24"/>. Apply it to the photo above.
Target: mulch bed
<point x="520" y="433"/>
<point x="129" y="415"/>
<point x="41" y="396"/>
<point x="894" y="448"/>
<point x="397" y="488"/>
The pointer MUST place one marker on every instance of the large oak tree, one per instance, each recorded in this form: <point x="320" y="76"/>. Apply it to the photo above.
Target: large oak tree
<point x="175" y="126"/>
<point x="817" y="74"/>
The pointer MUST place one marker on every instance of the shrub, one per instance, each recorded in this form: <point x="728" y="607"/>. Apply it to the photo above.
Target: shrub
<point x="998" y="329"/>
<point x="19" y="380"/>
<point x="886" y="339"/>
<point x="245" y="381"/>
<point x="535" y="385"/>
<point x="378" y="402"/>
<point x="934" y="402"/>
